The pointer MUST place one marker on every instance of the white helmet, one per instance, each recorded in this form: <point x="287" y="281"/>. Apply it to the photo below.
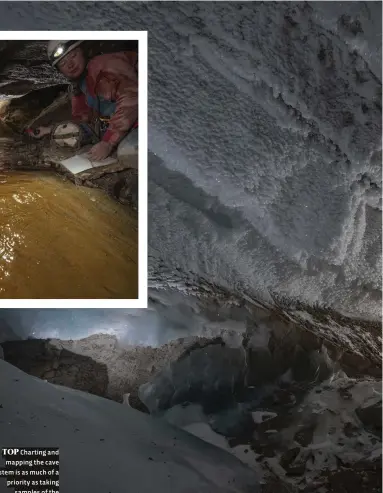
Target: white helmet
<point x="58" y="49"/>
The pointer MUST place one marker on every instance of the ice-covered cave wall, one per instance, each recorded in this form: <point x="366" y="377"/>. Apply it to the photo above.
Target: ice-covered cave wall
<point x="264" y="137"/>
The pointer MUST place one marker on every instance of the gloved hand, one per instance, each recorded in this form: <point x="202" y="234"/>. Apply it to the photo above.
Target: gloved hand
<point x="100" y="151"/>
<point x="39" y="132"/>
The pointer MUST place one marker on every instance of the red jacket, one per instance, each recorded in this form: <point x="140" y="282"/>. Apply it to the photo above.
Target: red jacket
<point x="113" y="77"/>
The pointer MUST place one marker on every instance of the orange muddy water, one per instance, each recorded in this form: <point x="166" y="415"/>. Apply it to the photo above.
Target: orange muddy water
<point x="62" y="241"/>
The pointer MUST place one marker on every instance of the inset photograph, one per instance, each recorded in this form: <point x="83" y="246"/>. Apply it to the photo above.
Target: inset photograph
<point x="73" y="169"/>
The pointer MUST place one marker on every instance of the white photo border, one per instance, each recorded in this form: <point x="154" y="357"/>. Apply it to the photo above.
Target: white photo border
<point x="142" y="38"/>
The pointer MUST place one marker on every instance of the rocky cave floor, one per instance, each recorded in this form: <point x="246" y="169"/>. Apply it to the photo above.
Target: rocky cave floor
<point x="274" y="398"/>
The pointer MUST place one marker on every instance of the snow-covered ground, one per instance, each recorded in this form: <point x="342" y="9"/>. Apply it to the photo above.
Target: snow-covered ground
<point x="129" y="450"/>
<point x="264" y="137"/>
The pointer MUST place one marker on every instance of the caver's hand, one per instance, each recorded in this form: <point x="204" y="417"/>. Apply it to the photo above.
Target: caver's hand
<point x="100" y="151"/>
<point x="40" y="132"/>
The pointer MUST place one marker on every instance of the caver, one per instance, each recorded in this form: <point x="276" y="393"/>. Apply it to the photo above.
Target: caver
<point x="102" y="136"/>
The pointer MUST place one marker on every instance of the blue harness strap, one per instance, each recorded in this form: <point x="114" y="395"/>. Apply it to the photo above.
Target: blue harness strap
<point x="104" y="107"/>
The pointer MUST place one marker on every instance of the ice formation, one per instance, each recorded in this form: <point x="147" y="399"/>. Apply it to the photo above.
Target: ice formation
<point x="264" y="137"/>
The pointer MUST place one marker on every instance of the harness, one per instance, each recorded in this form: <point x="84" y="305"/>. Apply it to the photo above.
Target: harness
<point x="104" y="108"/>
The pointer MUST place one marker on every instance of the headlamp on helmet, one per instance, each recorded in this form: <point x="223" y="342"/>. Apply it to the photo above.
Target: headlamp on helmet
<point x="58" y="49"/>
<point x="58" y="52"/>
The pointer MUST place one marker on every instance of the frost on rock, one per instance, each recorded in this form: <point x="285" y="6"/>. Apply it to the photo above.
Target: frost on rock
<point x="128" y="449"/>
<point x="265" y="140"/>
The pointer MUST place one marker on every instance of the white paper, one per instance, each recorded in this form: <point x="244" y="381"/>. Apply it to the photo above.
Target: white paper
<point x="81" y="162"/>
